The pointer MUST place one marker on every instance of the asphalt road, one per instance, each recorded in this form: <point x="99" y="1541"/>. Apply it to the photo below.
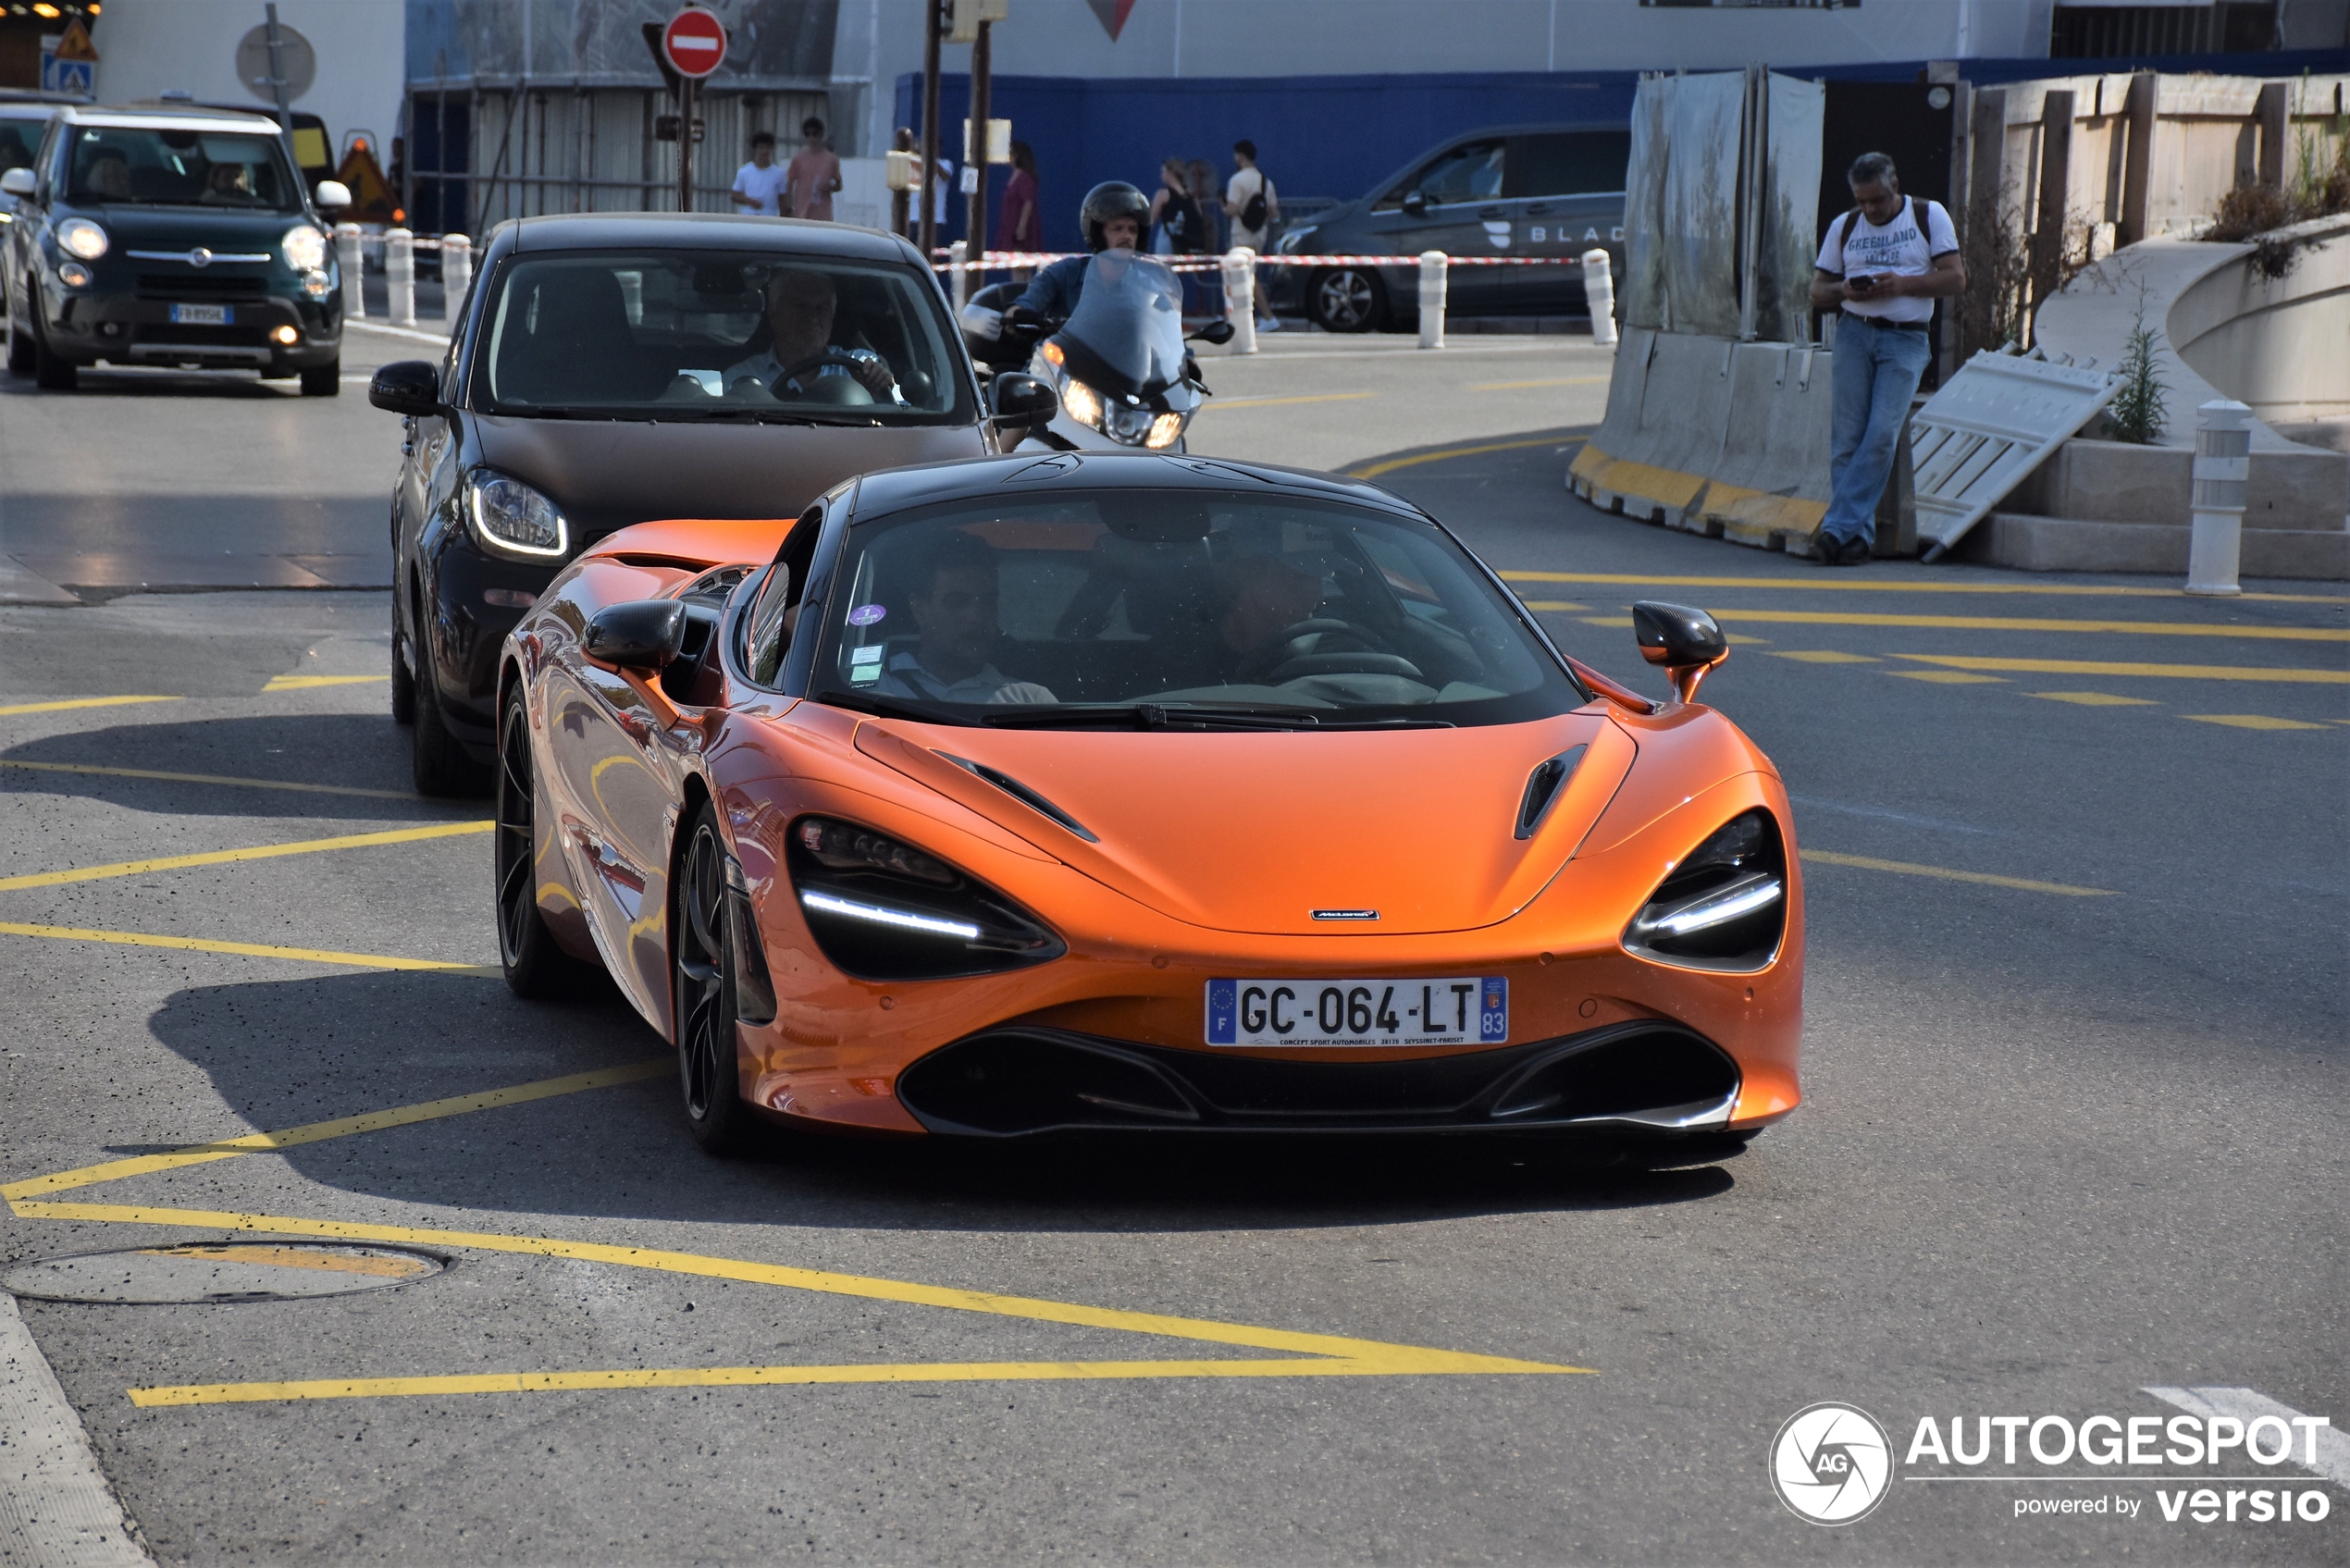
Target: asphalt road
<point x="2075" y="1078"/>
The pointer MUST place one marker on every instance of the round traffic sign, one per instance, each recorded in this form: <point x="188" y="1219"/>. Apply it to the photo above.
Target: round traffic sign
<point x="694" y="42"/>
<point x="299" y="60"/>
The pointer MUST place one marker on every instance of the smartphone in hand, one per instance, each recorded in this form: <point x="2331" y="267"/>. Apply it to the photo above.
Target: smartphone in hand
<point x="1862" y="283"/>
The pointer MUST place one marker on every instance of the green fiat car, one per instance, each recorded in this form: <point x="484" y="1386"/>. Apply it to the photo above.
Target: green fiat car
<point x="169" y="236"/>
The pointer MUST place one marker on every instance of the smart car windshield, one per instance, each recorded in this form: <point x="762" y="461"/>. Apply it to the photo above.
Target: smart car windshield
<point x="187" y="168"/>
<point x="717" y="335"/>
<point x="1176" y="609"/>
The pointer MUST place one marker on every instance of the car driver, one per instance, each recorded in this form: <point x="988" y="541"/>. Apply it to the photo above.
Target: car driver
<point x="799" y="317"/>
<point x="1263" y="596"/>
<point x="954" y="611"/>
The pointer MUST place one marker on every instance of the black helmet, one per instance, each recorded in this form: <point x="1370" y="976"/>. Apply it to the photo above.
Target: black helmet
<point x="1112" y="198"/>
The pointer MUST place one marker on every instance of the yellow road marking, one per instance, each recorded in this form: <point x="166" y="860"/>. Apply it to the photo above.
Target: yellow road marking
<point x="1619" y="622"/>
<point x="2250" y="722"/>
<point x="2172" y="672"/>
<point x="1872" y="585"/>
<point x="1827" y="656"/>
<point x="92" y="769"/>
<point x="1554" y="604"/>
<point x="1267" y="403"/>
<point x="305" y="683"/>
<point x="1905" y="868"/>
<point x="1393" y="464"/>
<point x="1945" y="677"/>
<point x="2036" y="623"/>
<point x="61" y="706"/>
<point x="376" y="1266"/>
<point x="343" y="1126"/>
<point x="258" y="852"/>
<point x="752" y="1377"/>
<point x="2096" y="698"/>
<point x="242" y="949"/>
<point x="1556" y="381"/>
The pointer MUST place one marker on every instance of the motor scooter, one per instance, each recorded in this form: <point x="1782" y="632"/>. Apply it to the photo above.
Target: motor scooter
<point x="1119" y="368"/>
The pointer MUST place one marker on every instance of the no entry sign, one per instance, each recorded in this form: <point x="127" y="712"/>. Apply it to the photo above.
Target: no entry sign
<point x="694" y="42"/>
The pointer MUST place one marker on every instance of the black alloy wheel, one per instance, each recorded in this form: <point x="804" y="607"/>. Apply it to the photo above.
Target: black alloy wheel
<point x="536" y="967"/>
<point x="1346" y="299"/>
<point x="702" y="990"/>
<point x="437" y="760"/>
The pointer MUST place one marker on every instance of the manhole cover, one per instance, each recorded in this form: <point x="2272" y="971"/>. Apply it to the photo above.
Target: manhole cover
<point x="228" y="1271"/>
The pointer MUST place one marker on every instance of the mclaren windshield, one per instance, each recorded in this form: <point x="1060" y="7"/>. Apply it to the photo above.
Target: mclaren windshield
<point x="1174" y="609"/>
<point x="716" y="334"/>
<point x="1128" y="328"/>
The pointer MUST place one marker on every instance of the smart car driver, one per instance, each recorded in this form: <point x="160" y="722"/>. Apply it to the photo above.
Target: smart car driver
<point x="800" y="306"/>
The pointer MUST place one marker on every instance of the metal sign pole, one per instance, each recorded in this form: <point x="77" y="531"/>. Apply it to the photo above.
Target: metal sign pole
<point x="277" y="86"/>
<point x="685" y="96"/>
<point x="975" y="155"/>
<point x="928" y="196"/>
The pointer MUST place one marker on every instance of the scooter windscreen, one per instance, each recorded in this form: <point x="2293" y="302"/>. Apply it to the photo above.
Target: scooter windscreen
<point x="1128" y="321"/>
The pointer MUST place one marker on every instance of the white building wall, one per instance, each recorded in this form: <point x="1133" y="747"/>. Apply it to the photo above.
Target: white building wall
<point x="148" y="47"/>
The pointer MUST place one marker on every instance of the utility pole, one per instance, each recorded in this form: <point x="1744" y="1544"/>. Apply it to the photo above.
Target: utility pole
<point x="688" y="91"/>
<point x="975" y="155"/>
<point x="932" y="23"/>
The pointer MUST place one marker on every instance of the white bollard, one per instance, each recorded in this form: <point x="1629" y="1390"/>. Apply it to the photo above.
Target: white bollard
<point x="2222" y="473"/>
<point x="456" y="275"/>
<point x="354" y="292"/>
<point x="400" y="275"/>
<point x="1432" y="267"/>
<point x="1598" y="292"/>
<point x="1240" y="297"/>
<point x="958" y="282"/>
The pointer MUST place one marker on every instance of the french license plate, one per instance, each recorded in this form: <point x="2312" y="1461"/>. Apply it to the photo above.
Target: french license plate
<point x="202" y="315"/>
<point x="1358" y="1012"/>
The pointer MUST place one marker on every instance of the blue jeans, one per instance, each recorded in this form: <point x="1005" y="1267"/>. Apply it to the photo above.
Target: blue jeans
<point x="1875" y="370"/>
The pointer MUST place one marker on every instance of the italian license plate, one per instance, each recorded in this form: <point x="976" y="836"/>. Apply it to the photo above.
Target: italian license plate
<point x="202" y="315"/>
<point x="1358" y="1012"/>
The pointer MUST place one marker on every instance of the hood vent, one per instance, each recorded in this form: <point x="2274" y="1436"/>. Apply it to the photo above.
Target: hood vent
<point x="1543" y="787"/>
<point x="1024" y="794"/>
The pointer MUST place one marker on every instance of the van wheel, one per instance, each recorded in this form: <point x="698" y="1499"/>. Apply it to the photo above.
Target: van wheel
<point x="50" y="373"/>
<point x="325" y="381"/>
<point x="1346" y="299"/>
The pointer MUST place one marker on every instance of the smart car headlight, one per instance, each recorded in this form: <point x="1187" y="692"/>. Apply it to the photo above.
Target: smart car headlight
<point x="881" y="910"/>
<point x="509" y="518"/>
<point x="306" y="248"/>
<point x="1725" y="906"/>
<point x="79" y="237"/>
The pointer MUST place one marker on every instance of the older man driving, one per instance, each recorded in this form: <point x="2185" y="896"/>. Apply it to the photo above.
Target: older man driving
<point x="801" y="355"/>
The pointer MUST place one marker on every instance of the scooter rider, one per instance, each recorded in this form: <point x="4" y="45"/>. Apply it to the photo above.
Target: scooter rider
<point x="1112" y="218"/>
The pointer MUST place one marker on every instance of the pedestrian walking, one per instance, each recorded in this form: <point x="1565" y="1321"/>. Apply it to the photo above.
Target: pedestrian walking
<point x="1254" y="206"/>
<point x="814" y="174"/>
<point x="1208" y="195"/>
<point x="1174" y="214"/>
<point x="758" y="184"/>
<point x="1020" y="225"/>
<point x="1881" y="268"/>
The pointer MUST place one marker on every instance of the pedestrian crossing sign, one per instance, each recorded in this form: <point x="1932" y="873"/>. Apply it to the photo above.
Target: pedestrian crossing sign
<point x="69" y="61"/>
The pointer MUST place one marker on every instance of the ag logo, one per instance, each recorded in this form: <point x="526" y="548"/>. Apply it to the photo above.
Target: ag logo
<point x="1832" y="1463"/>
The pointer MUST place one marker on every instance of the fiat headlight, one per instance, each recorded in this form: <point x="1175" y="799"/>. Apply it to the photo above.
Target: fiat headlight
<point x="509" y="518"/>
<point x="78" y="236"/>
<point x="1083" y="404"/>
<point x="315" y="283"/>
<point x="306" y="248"/>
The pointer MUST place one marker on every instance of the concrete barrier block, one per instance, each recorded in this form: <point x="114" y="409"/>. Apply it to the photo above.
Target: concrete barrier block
<point x="2074" y="544"/>
<point x="2300" y="490"/>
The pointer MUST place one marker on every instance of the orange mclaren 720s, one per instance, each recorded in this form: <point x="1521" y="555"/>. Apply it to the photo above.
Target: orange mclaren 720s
<point x="1033" y="793"/>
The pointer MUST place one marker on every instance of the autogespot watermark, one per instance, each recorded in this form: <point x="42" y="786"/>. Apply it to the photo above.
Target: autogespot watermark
<point x="1832" y="1463"/>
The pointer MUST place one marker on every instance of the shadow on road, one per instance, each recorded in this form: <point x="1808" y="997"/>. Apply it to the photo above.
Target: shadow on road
<point x="346" y="750"/>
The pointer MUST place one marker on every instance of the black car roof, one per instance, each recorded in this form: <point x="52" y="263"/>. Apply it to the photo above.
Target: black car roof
<point x="573" y="231"/>
<point x="895" y="489"/>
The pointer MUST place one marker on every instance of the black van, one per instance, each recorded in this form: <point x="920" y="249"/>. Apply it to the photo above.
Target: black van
<point x="171" y="236"/>
<point x="1510" y="190"/>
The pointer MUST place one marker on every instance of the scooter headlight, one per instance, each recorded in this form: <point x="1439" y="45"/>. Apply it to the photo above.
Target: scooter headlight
<point x="1166" y="430"/>
<point x="1083" y="404"/>
<point x="1127" y="424"/>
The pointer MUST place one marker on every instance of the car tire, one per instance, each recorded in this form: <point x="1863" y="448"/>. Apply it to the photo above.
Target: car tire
<point x="324" y="381"/>
<point x="536" y="966"/>
<point x="50" y="373"/>
<point x="404" y="683"/>
<point x="702" y="993"/>
<point x="437" y="760"/>
<point x="20" y="348"/>
<point x="1346" y="299"/>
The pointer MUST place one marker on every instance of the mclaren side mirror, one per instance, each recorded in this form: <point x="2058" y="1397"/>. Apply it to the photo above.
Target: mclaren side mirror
<point x="21" y="183"/>
<point x="1214" y="332"/>
<point x="332" y="196"/>
<point x="1021" y="402"/>
<point x="640" y="633"/>
<point x="1687" y="642"/>
<point x="409" y="385"/>
<point x="1415" y="203"/>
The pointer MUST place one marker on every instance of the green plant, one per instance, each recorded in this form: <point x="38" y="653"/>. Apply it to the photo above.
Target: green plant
<point x="2137" y="413"/>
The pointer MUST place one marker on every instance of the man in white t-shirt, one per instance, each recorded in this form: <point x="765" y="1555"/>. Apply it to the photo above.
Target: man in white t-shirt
<point x="1241" y="203"/>
<point x="759" y="183"/>
<point x="1882" y="266"/>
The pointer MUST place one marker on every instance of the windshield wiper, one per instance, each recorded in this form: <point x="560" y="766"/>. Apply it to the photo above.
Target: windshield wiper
<point x="1185" y="716"/>
<point x="690" y="413"/>
<point x="887" y="707"/>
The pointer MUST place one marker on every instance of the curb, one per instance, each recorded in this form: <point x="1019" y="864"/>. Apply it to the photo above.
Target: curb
<point x="56" y="1510"/>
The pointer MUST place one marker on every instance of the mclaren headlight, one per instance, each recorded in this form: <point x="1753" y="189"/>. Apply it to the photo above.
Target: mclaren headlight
<point x="306" y="248"/>
<point x="1723" y="908"/>
<point x="509" y="518"/>
<point x="885" y="910"/>
<point x="79" y="237"/>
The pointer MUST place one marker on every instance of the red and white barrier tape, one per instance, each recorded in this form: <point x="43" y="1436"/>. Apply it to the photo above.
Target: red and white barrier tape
<point x="997" y="261"/>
